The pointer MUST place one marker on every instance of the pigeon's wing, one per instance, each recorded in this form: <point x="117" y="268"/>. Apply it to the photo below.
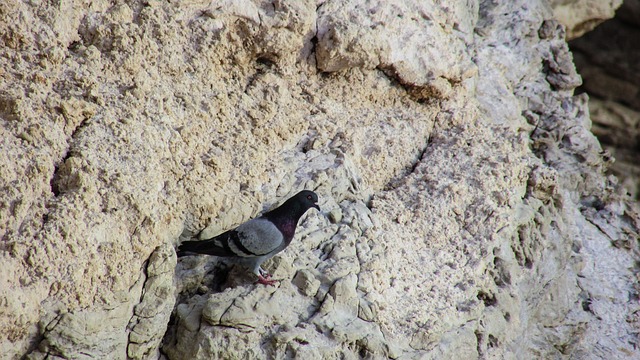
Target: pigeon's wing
<point x="257" y="237"/>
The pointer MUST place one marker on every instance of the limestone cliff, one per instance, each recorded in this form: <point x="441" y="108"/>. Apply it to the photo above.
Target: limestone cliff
<point x="467" y="213"/>
<point x="609" y="61"/>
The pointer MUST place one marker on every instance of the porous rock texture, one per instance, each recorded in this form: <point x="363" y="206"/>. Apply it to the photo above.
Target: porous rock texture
<point x="466" y="210"/>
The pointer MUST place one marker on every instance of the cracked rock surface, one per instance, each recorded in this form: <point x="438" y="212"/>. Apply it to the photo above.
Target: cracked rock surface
<point x="466" y="210"/>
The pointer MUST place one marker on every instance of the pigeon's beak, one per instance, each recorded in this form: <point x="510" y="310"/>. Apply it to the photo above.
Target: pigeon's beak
<point x="316" y="206"/>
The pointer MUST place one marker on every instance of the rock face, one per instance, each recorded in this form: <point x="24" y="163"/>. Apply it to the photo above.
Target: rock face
<point x="609" y="60"/>
<point x="467" y="213"/>
<point x="581" y="16"/>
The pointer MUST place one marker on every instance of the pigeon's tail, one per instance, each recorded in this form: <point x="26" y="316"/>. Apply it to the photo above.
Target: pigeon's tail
<point x="207" y="247"/>
<point x="185" y="237"/>
<point x="182" y="253"/>
<point x="192" y="248"/>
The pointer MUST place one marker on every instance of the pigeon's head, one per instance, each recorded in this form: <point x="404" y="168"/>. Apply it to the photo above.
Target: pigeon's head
<point x="308" y="199"/>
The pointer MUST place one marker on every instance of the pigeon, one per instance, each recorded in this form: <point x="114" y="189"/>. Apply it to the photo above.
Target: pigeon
<point x="258" y="239"/>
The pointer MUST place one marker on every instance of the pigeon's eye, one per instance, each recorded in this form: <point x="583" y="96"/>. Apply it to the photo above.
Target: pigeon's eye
<point x="309" y="197"/>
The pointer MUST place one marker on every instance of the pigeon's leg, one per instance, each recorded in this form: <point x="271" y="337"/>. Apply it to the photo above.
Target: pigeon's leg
<point x="266" y="281"/>
<point x="263" y="272"/>
<point x="264" y="277"/>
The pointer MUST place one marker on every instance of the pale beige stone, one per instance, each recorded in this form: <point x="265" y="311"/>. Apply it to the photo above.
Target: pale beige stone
<point x="582" y="16"/>
<point x="465" y="207"/>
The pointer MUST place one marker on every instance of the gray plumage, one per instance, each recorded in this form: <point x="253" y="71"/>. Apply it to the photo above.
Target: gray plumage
<point x="257" y="240"/>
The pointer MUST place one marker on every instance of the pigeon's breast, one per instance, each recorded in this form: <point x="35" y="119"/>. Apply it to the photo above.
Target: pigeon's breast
<point x="288" y="229"/>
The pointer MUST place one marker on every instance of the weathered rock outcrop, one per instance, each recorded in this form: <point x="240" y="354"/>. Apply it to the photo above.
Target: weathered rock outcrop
<point x="609" y="60"/>
<point x="467" y="213"/>
<point x="581" y="16"/>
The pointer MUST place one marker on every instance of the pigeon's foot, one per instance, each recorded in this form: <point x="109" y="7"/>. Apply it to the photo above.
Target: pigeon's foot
<point x="266" y="280"/>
